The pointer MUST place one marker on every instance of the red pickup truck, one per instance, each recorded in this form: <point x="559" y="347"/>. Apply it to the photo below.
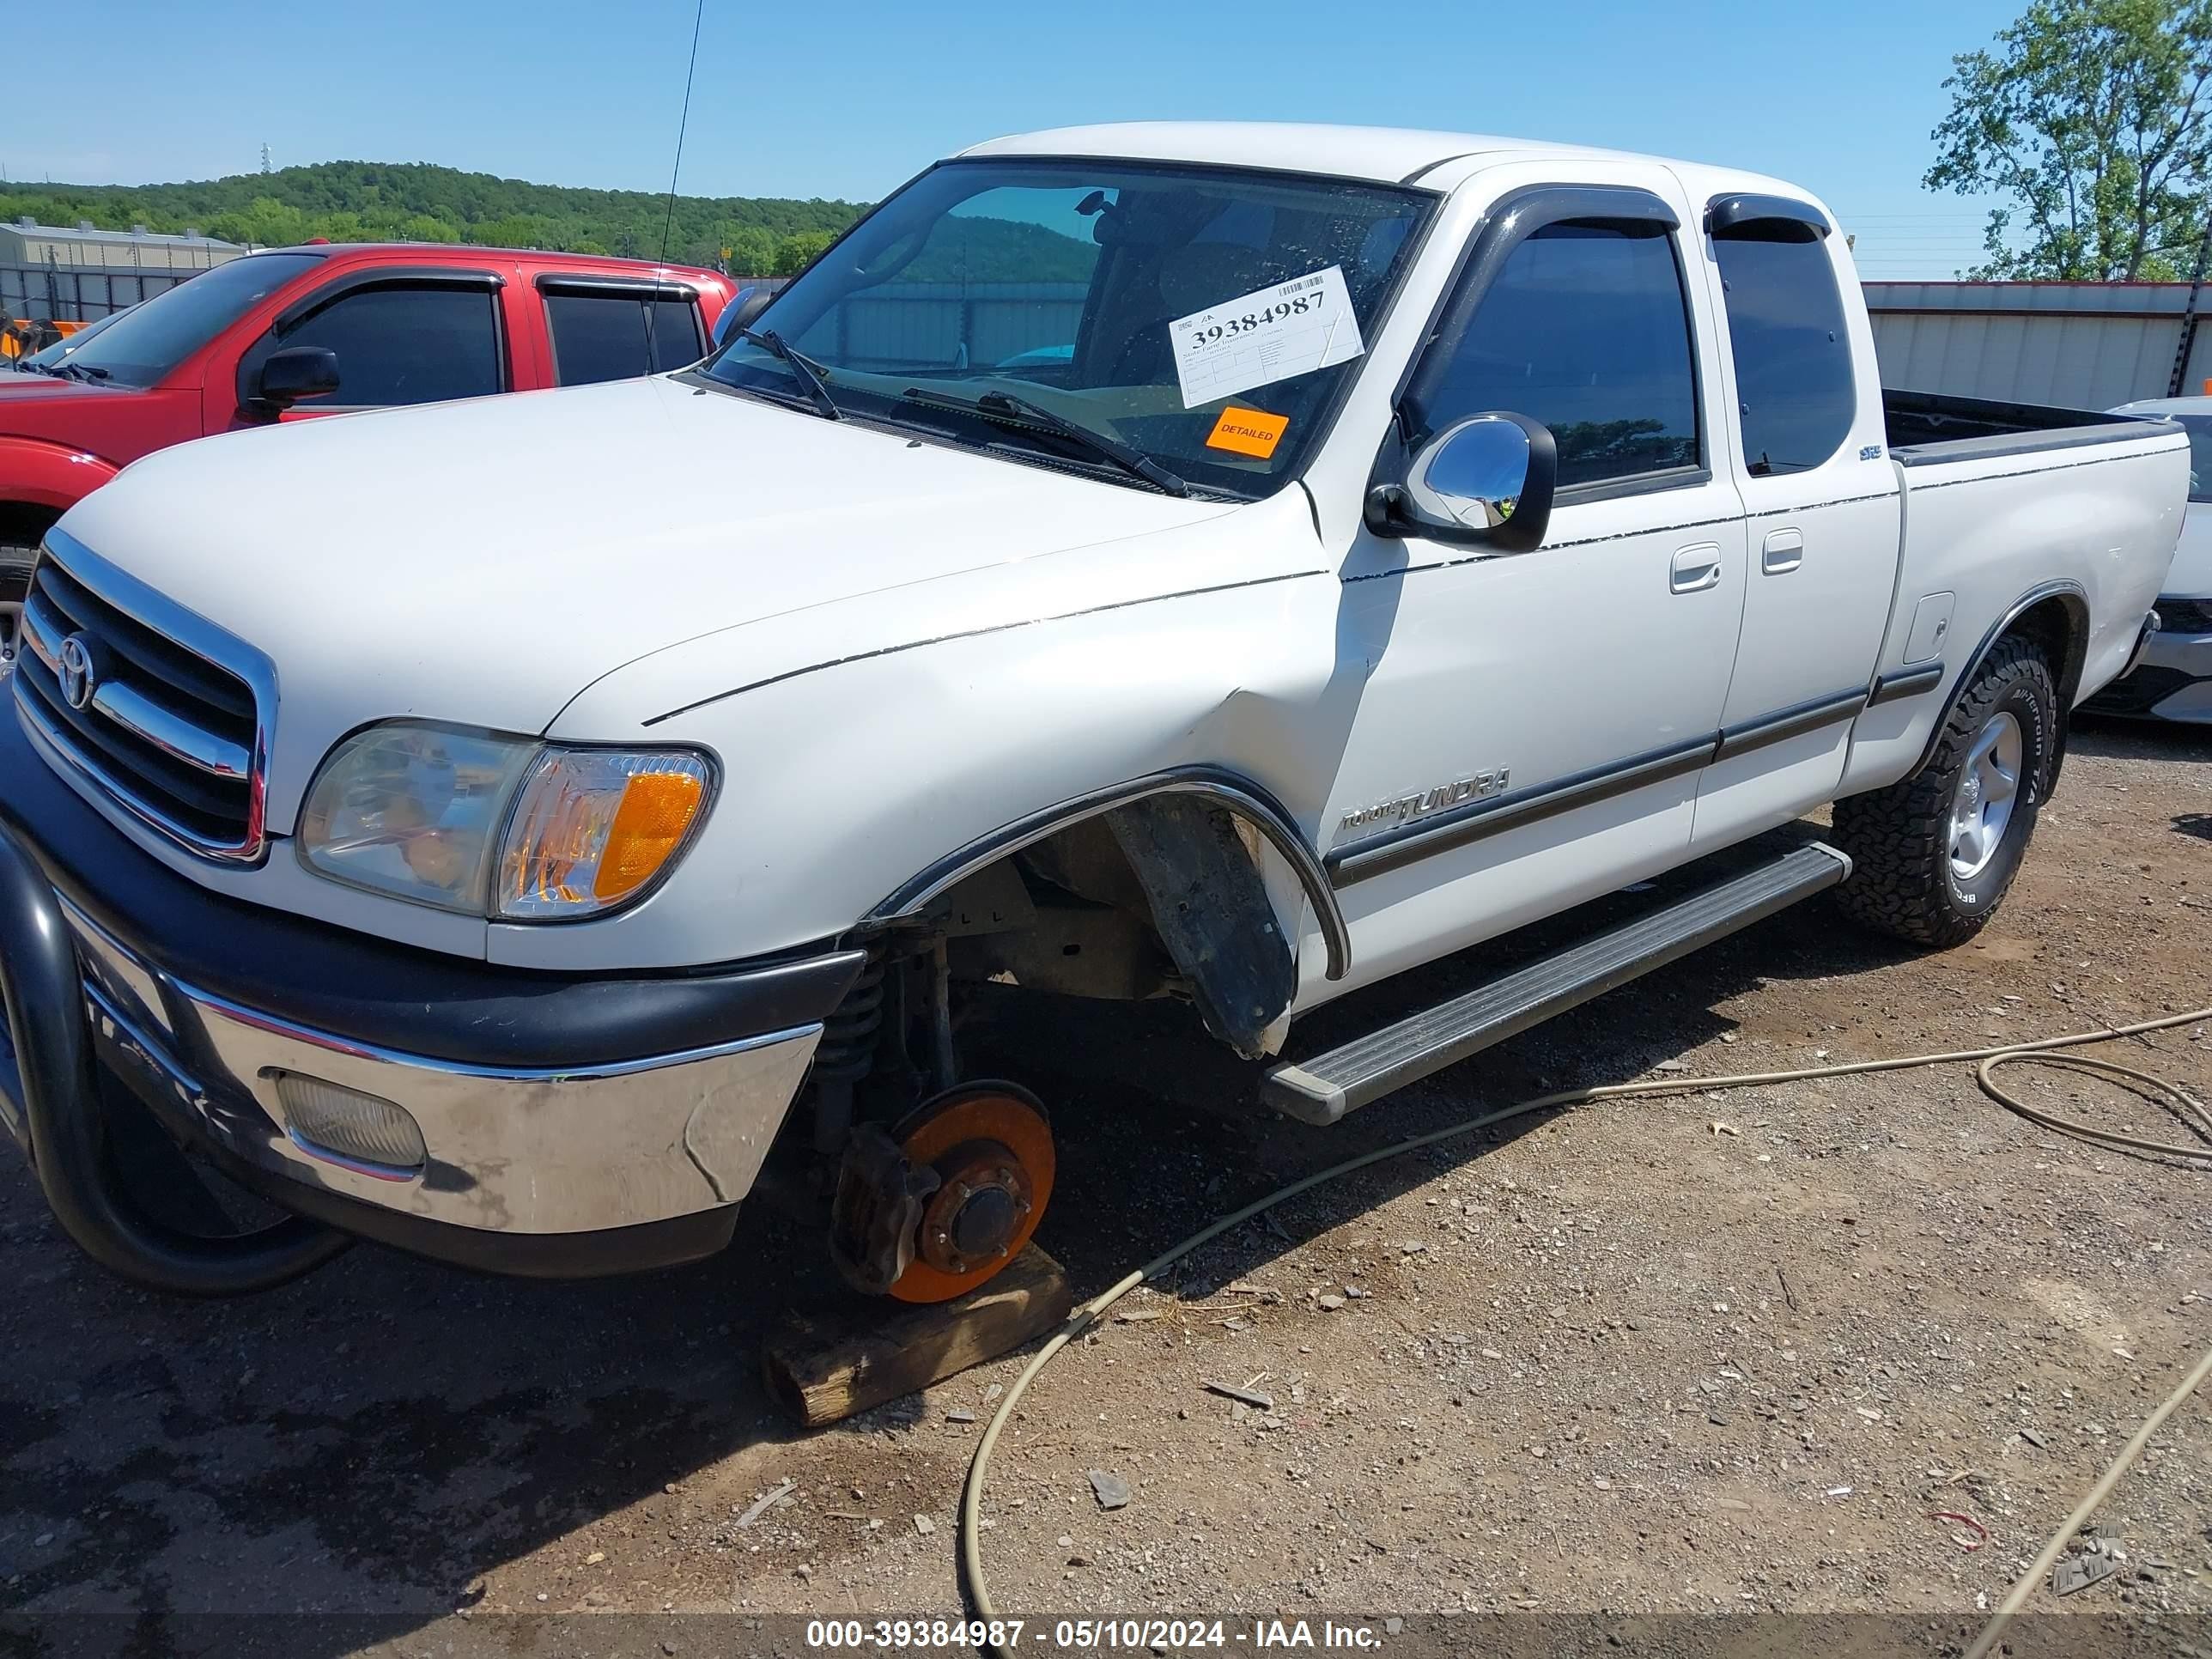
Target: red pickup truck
<point x="320" y="330"/>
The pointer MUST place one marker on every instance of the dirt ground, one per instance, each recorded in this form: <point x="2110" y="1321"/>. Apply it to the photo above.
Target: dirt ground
<point x="1711" y="1353"/>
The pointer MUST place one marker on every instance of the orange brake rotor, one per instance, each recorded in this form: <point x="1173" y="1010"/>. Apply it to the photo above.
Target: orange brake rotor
<point x="977" y="1134"/>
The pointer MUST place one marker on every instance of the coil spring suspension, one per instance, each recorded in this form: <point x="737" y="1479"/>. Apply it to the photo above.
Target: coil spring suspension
<point x="847" y="1051"/>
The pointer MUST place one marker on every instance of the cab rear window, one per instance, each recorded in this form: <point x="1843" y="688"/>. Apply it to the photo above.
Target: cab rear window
<point x="615" y="336"/>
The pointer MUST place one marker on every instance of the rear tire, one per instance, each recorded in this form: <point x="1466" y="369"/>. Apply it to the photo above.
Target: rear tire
<point x="15" y="561"/>
<point x="1933" y="856"/>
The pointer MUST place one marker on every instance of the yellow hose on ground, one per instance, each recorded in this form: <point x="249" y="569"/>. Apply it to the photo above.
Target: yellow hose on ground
<point x="1083" y="1317"/>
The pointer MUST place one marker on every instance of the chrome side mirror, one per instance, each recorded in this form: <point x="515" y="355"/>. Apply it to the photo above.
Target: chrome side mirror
<point x="1487" y="480"/>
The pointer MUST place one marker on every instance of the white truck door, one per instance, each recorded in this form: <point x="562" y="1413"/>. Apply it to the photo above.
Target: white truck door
<point x="1532" y="725"/>
<point x="1805" y="440"/>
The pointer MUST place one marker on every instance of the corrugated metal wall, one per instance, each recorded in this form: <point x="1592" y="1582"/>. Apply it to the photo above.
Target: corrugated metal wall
<point x="936" y="324"/>
<point x="2083" y="345"/>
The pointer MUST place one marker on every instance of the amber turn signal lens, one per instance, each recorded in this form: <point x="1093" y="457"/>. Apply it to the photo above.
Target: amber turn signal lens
<point x="593" y="827"/>
<point x="655" y="815"/>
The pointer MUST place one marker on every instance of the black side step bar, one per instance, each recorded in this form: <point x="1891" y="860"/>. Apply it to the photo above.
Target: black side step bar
<point x="1323" y="1089"/>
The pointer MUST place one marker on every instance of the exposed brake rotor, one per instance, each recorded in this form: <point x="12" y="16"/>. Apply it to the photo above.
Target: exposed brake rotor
<point x="948" y="1196"/>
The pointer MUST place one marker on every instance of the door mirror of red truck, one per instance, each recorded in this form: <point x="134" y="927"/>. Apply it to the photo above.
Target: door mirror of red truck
<point x="1486" y="481"/>
<point x="294" y="375"/>
<point x="740" y="313"/>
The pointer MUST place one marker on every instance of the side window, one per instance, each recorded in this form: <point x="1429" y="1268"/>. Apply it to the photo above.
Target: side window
<point x="1792" y="351"/>
<point x="408" y="345"/>
<point x="1584" y="328"/>
<point x="614" y="336"/>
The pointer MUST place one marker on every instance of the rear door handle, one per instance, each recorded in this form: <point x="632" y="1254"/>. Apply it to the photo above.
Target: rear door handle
<point x="1696" y="569"/>
<point x="1783" y="552"/>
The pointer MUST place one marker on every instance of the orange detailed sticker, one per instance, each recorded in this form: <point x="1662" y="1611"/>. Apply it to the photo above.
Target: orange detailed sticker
<point x="1247" y="431"/>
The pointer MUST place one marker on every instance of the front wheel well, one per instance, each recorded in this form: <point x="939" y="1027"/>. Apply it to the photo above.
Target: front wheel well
<point x="1164" y="895"/>
<point x="24" y="524"/>
<point x="1158" y="895"/>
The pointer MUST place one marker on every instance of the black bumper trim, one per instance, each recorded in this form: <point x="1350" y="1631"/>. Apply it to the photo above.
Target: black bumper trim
<point x="354" y="986"/>
<point x="54" y="1109"/>
<point x="2139" y="692"/>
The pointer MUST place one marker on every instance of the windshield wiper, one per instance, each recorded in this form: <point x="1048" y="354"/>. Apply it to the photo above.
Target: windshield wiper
<point x="69" y="370"/>
<point x="803" y="369"/>
<point x="1005" y="403"/>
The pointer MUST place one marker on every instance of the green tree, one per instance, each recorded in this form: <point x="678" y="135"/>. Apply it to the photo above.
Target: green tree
<point x="264" y="221"/>
<point x="349" y="200"/>
<point x="752" y="250"/>
<point x="794" y="253"/>
<point x="2089" y="117"/>
<point x="425" y="227"/>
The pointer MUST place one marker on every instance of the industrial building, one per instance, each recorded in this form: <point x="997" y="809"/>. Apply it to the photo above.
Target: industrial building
<point x="2081" y="345"/>
<point x="83" y="273"/>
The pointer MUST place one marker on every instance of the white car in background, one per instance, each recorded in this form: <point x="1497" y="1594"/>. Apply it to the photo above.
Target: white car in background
<point x="2174" y="680"/>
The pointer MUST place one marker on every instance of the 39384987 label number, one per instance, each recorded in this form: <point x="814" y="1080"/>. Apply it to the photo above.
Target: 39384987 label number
<point x="1271" y="334"/>
<point x="1248" y="322"/>
<point x="921" y="1635"/>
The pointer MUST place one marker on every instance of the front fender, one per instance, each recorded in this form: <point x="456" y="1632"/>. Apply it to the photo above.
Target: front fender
<point x="863" y="742"/>
<point x="52" y="475"/>
<point x="841" y="785"/>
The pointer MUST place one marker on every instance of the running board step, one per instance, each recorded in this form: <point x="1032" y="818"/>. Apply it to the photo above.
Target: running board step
<point x="1323" y="1089"/>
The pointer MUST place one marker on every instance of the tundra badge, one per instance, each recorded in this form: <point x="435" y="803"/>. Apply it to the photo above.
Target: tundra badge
<point x="1480" y="786"/>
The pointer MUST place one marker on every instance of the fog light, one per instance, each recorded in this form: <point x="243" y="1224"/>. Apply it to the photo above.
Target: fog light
<point x="349" y="1124"/>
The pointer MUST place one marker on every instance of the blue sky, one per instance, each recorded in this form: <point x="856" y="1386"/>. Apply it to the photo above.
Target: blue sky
<point x="848" y="99"/>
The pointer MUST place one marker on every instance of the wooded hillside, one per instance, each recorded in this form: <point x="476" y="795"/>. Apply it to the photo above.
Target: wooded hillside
<point x="374" y="201"/>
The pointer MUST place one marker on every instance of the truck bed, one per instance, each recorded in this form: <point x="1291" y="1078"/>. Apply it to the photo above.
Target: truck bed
<point x="2008" y="507"/>
<point x="1924" y="427"/>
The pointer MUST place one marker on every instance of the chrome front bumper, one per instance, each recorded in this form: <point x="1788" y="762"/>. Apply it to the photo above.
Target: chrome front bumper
<point x="509" y="1151"/>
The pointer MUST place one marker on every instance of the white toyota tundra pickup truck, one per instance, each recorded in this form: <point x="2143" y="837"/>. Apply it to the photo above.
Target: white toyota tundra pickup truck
<point x="1234" y="563"/>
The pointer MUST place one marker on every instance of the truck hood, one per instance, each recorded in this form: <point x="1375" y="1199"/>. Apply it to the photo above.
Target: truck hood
<point x="482" y="562"/>
<point x="34" y="405"/>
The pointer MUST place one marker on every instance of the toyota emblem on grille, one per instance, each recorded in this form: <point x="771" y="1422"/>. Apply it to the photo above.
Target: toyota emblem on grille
<point x="78" y="677"/>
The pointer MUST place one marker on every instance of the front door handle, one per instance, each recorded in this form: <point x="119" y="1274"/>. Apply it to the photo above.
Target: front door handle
<point x="1696" y="569"/>
<point x="1783" y="552"/>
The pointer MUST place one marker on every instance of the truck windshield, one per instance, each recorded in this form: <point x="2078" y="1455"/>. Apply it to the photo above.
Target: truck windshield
<point x="142" y="345"/>
<point x="2199" y="429"/>
<point x="1200" y="319"/>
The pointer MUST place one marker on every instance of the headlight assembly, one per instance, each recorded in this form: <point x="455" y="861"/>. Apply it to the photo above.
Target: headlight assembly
<point x="507" y="828"/>
<point x="593" y="827"/>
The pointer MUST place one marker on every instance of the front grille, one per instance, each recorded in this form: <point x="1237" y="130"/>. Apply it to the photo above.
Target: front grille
<point x="2184" y="616"/>
<point x="165" y="712"/>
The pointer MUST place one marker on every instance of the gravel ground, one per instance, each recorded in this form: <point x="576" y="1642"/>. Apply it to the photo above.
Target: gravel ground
<point x="1719" y="1352"/>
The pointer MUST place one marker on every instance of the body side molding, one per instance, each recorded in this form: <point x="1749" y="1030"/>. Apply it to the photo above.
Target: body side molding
<point x="1777" y="724"/>
<point x="1374" y="855"/>
<point x="1907" y="683"/>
